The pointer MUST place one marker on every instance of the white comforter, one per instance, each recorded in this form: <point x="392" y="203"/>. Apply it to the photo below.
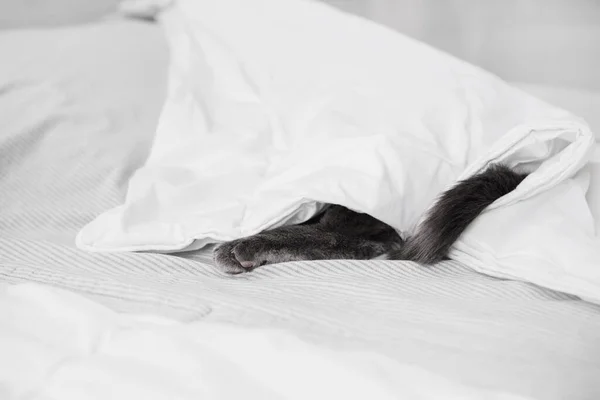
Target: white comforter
<point x="278" y="106"/>
<point x="64" y="346"/>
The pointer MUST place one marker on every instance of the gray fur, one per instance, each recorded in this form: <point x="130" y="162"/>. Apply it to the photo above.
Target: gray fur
<point x="454" y="211"/>
<point x="339" y="233"/>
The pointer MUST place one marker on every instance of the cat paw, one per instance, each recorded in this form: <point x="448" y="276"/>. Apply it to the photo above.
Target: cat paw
<point x="225" y="259"/>
<point x="240" y="256"/>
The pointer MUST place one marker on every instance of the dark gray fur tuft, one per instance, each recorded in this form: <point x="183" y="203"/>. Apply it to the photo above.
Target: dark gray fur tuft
<point x="454" y="211"/>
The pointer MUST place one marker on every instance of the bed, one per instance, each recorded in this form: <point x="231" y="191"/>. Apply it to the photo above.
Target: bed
<point x="79" y="105"/>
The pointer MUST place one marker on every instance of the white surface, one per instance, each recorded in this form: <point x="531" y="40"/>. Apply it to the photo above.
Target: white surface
<point x="58" y="345"/>
<point x="79" y="108"/>
<point x="581" y="102"/>
<point x="270" y="115"/>
<point x="61" y="165"/>
<point x="512" y="38"/>
<point x="547" y="42"/>
<point x="586" y="104"/>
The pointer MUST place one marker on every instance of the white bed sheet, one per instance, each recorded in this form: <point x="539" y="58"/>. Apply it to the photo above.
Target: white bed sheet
<point x="78" y="112"/>
<point x="81" y="350"/>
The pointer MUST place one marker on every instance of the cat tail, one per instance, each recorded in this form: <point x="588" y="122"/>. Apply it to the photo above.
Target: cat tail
<point x="454" y="210"/>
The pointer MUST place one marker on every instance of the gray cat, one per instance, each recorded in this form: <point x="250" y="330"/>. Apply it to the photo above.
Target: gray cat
<point x="339" y="233"/>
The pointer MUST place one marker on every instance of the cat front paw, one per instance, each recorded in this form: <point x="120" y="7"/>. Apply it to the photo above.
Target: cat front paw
<point x="225" y="259"/>
<point x="241" y="255"/>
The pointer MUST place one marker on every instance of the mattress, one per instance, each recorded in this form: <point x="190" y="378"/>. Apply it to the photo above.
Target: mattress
<point x="79" y="106"/>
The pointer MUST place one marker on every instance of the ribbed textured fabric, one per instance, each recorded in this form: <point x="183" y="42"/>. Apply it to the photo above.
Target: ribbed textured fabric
<point x="78" y="110"/>
<point x="498" y="334"/>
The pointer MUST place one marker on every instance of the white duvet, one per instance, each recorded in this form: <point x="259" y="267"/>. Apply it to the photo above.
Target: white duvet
<point x="276" y="107"/>
<point x="64" y="346"/>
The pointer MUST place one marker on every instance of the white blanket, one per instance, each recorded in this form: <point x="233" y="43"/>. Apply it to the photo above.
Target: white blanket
<point x="58" y="345"/>
<point x="278" y="106"/>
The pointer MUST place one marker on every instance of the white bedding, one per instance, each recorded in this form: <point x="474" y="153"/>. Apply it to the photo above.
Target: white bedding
<point x="83" y="103"/>
<point x="270" y="115"/>
<point x="67" y="347"/>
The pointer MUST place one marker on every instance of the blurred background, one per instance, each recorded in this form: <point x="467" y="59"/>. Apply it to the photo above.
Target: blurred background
<point x="549" y="42"/>
<point x="554" y="42"/>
